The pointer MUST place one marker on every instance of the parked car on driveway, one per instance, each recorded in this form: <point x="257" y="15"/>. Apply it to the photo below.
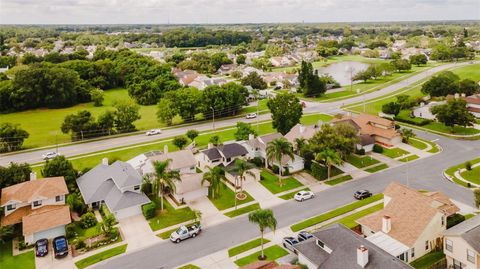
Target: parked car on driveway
<point x="304" y="235"/>
<point x="185" y="232"/>
<point x="303" y="195"/>
<point x="153" y="132"/>
<point x="41" y="247"/>
<point x="362" y="194"/>
<point x="60" y="246"/>
<point x="50" y="155"/>
<point x="251" y="115"/>
<point x="289" y="242"/>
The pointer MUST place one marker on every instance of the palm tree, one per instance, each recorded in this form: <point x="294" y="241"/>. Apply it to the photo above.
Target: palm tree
<point x="264" y="218"/>
<point x="407" y="134"/>
<point x="242" y="168"/>
<point x="276" y="149"/>
<point x="329" y="157"/>
<point x="300" y="143"/>
<point x="215" y="176"/>
<point x="163" y="179"/>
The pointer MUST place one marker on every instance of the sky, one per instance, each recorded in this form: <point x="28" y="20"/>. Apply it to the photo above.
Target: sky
<point x="231" y="11"/>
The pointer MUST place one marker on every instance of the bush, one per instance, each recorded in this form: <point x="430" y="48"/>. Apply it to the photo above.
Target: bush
<point x="148" y="210"/>
<point x="80" y="244"/>
<point x="88" y="220"/>
<point x="70" y="230"/>
<point x="318" y="171"/>
<point x="360" y="151"/>
<point x="406" y="116"/>
<point x="275" y="169"/>
<point x="286" y="172"/>
<point x="468" y="166"/>
<point x="377" y="148"/>
<point x="454" y="220"/>
<point x="257" y="161"/>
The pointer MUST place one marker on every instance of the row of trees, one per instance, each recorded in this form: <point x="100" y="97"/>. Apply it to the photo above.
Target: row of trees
<point x="374" y="71"/>
<point x="11" y="137"/>
<point x="447" y="83"/>
<point x="201" y="61"/>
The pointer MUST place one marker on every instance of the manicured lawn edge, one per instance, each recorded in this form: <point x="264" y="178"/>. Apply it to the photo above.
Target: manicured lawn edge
<point x="189" y="266"/>
<point x="272" y="253"/>
<point x="351" y="220"/>
<point x="7" y="260"/>
<point x="377" y="168"/>
<point x="335" y="213"/>
<point x="333" y="182"/>
<point x="101" y="256"/>
<point x="246" y="246"/>
<point x="451" y="172"/>
<point x="271" y="182"/>
<point x="243" y="210"/>
<point x="409" y="158"/>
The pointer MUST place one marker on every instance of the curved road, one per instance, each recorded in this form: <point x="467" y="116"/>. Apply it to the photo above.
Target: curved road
<point x="105" y="144"/>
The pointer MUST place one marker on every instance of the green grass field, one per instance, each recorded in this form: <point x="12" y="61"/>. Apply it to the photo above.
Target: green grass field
<point x="417" y="143"/>
<point x="409" y="158"/>
<point x="246" y="246"/>
<point x="472" y="175"/>
<point x="272" y="253"/>
<point x="333" y="182"/>
<point x="394" y="152"/>
<point x="227" y="199"/>
<point x="377" y="168"/>
<point x="170" y="217"/>
<point x="334" y="213"/>
<point x="451" y="171"/>
<point x="272" y="183"/>
<point x="101" y="256"/>
<point x="243" y="210"/>
<point x="7" y="260"/>
<point x="361" y="161"/>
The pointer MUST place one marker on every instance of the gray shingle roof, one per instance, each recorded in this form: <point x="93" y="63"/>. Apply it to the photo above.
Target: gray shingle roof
<point x="212" y="154"/>
<point x="124" y="175"/>
<point x="344" y="243"/>
<point x="232" y="150"/>
<point x="469" y="230"/>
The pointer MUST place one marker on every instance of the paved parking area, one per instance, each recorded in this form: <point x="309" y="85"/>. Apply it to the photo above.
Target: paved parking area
<point x="137" y="232"/>
<point x="49" y="261"/>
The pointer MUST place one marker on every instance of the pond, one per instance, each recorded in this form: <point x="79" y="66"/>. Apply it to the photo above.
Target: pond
<point x="341" y="71"/>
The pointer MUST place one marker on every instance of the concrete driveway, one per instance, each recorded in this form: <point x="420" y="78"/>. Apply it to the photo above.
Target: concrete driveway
<point x="49" y="261"/>
<point x="137" y="232"/>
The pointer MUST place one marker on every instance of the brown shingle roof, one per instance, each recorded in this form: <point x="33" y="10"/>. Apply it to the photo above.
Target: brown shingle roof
<point x="410" y="212"/>
<point x="301" y="131"/>
<point x="370" y="125"/>
<point x="45" y="218"/>
<point x="30" y="190"/>
<point x="179" y="159"/>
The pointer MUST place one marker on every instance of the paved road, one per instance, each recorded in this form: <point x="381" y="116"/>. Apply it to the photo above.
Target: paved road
<point x="423" y="174"/>
<point x="89" y="147"/>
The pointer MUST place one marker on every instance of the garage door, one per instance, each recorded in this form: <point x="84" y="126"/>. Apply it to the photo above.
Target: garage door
<point x="128" y="212"/>
<point x="50" y="234"/>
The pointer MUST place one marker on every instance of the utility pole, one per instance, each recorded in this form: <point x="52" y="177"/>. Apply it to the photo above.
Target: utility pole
<point x="213" y="117"/>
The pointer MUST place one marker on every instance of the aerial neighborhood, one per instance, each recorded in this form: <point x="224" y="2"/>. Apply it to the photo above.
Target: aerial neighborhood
<point x="253" y="146"/>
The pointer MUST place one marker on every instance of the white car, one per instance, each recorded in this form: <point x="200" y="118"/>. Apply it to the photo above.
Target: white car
<point x="154" y="132"/>
<point x="251" y="115"/>
<point x="303" y="195"/>
<point x="50" y="155"/>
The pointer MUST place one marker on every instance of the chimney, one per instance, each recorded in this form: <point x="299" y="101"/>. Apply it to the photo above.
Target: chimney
<point x="105" y="161"/>
<point x="302" y="128"/>
<point x="251" y="136"/>
<point x="386" y="224"/>
<point x="165" y="149"/>
<point x="362" y="256"/>
<point x="33" y="176"/>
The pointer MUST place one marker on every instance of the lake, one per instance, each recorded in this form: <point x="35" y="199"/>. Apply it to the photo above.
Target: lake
<point x="341" y="71"/>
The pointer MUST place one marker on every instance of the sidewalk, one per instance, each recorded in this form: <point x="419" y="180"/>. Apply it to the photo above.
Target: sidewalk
<point x="262" y="195"/>
<point x="210" y="214"/>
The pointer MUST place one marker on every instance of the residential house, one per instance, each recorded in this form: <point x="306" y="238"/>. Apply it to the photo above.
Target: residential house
<point x="382" y="130"/>
<point x="39" y="204"/>
<point x="221" y="154"/>
<point x="227" y="69"/>
<point x="202" y="81"/>
<point x="473" y="104"/>
<point x="337" y="247"/>
<point x="411" y="223"/>
<point x="462" y="245"/>
<point x="303" y="132"/>
<point x="185" y="77"/>
<point x="257" y="147"/>
<point x="118" y="186"/>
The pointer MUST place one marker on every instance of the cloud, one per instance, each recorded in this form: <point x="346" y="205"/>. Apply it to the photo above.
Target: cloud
<point x="232" y="11"/>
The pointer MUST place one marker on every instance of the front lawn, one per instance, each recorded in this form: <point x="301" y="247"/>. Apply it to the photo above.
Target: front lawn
<point x="272" y="253"/>
<point x="101" y="256"/>
<point x="472" y="175"/>
<point x="339" y="180"/>
<point x="170" y="216"/>
<point x="189" y="266"/>
<point x="451" y="172"/>
<point x="227" y="199"/>
<point x="394" y="152"/>
<point x="377" y="168"/>
<point x="427" y="260"/>
<point x="335" y="213"/>
<point x="242" y="210"/>
<point x="271" y="182"/>
<point x="246" y="246"/>
<point x="86" y="233"/>
<point x="409" y="158"/>
<point x="417" y="143"/>
<point x="290" y="195"/>
<point x="361" y="161"/>
<point x="23" y="261"/>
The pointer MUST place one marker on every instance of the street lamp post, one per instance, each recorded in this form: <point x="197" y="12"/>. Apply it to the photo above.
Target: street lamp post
<point x="213" y="117"/>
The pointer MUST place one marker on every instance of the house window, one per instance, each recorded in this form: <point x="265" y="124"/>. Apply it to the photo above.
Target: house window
<point x="137" y="187"/>
<point x="426" y="245"/>
<point x="37" y="203"/>
<point x="470" y="256"/>
<point x="58" y="198"/>
<point x="11" y="207"/>
<point x="413" y="253"/>
<point x="449" y="245"/>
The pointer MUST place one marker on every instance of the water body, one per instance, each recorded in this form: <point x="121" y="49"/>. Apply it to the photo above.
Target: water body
<point x="341" y="71"/>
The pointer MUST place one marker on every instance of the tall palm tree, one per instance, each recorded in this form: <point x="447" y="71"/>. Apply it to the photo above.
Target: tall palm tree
<point x="215" y="176"/>
<point x="300" y="143"/>
<point x="264" y="218"/>
<point x="329" y="157"/>
<point x="163" y="179"/>
<point x="242" y="168"/>
<point x="278" y="148"/>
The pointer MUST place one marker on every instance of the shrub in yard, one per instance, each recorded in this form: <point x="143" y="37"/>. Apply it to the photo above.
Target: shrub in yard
<point x="80" y="244"/>
<point x="148" y="210"/>
<point x="377" y="148"/>
<point x="360" y="151"/>
<point x="275" y="169"/>
<point x="318" y="171"/>
<point x="454" y="220"/>
<point x="286" y="172"/>
<point x="468" y="166"/>
<point x="88" y="220"/>
<point x="257" y="161"/>
<point x="70" y="230"/>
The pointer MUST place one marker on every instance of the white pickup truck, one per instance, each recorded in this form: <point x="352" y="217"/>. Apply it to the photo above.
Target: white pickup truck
<point x="185" y="232"/>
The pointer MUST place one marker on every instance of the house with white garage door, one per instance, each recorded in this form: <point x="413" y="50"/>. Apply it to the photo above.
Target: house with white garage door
<point x="39" y="204"/>
<point x="117" y="186"/>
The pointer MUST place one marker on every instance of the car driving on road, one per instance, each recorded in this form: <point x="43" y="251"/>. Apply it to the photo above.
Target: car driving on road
<point x="362" y="194"/>
<point x="251" y="115"/>
<point x="50" y="155"/>
<point x="153" y="132"/>
<point x="60" y="246"/>
<point x="185" y="232"/>
<point x="41" y="247"/>
<point x="289" y="242"/>
<point x="303" y="195"/>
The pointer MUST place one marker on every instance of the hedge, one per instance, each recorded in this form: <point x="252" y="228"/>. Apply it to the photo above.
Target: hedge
<point x="148" y="210"/>
<point x="318" y="171"/>
<point x="405" y="116"/>
<point x="377" y="148"/>
<point x="454" y="220"/>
